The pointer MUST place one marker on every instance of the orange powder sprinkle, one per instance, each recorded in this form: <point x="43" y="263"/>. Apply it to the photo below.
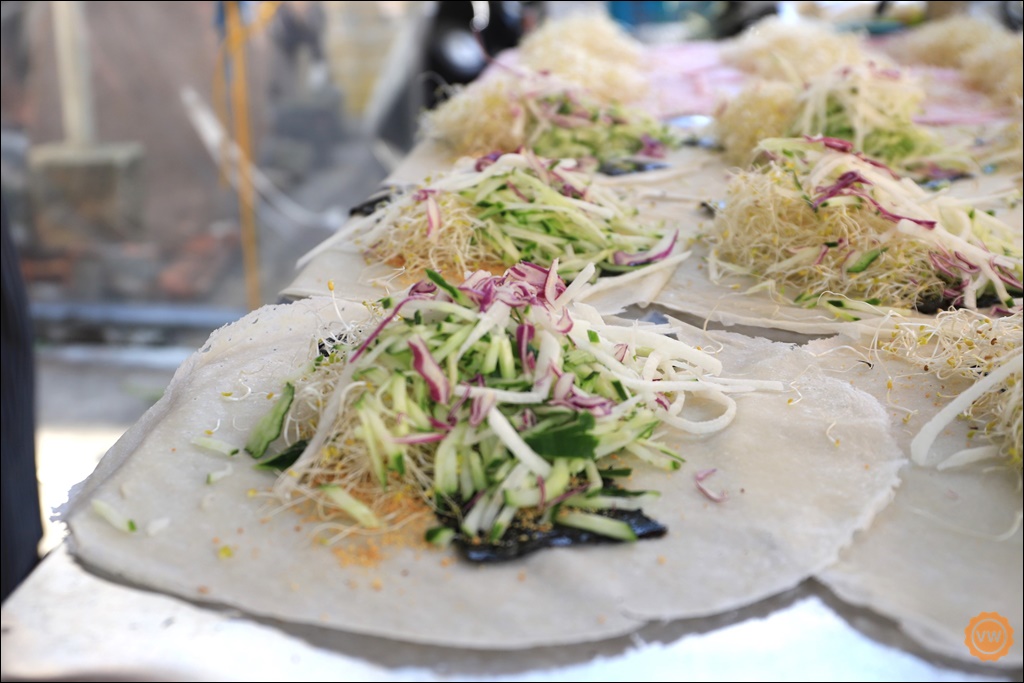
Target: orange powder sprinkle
<point x="361" y="555"/>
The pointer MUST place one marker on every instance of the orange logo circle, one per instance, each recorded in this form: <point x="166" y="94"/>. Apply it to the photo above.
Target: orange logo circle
<point x="988" y="636"/>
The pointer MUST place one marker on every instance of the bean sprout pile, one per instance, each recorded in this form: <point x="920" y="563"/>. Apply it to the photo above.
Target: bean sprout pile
<point x="831" y="227"/>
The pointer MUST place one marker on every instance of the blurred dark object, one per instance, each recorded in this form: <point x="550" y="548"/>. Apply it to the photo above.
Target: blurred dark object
<point x="1012" y="14"/>
<point x="305" y="107"/>
<point x="21" y="521"/>
<point x="706" y="19"/>
<point x="738" y="16"/>
<point x="15" y="62"/>
<point x="305" y="130"/>
<point x="464" y="35"/>
<point x="293" y="31"/>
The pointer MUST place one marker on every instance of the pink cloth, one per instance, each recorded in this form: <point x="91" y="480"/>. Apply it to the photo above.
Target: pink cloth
<point x="690" y="78"/>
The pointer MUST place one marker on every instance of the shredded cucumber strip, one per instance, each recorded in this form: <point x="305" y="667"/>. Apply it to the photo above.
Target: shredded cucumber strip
<point x="514" y="396"/>
<point x="483" y="221"/>
<point x="113" y="516"/>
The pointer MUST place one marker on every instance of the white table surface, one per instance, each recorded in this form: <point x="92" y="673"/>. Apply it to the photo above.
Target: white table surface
<point x="65" y="622"/>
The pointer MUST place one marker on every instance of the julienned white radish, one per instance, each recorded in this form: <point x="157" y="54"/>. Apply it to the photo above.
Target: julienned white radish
<point x="922" y="443"/>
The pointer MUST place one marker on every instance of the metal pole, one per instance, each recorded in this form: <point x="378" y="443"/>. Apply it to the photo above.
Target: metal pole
<point x="74" y="71"/>
<point x="246" y="192"/>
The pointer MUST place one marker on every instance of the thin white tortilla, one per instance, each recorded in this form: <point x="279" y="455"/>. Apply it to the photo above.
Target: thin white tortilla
<point x="730" y="302"/>
<point x="933" y="559"/>
<point x="795" y="498"/>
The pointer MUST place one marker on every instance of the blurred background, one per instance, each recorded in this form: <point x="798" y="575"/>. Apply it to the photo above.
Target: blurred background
<point x="164" y="164"/>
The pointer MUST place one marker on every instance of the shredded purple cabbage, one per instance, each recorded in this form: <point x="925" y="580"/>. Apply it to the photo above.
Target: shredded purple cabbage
<point x="425" y="364"/>
<point x="660" y="251"/>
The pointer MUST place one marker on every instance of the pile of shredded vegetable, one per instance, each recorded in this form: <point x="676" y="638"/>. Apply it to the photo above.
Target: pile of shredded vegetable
<point x="987" y="352"/>
<point x="501" y="209"/>
<point x="991" y="57"/>
<point x="871" y="107"/>
<point x="945" y="42"/>
<point x="794" y="51"/>
<point x="498" y="402"/>
<point x="830" y="227"/>
<point x="763" y="109"/>
<point x="589" y="50"/>
<point x="513" y="110"/>
<point x="997" y="68"/>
